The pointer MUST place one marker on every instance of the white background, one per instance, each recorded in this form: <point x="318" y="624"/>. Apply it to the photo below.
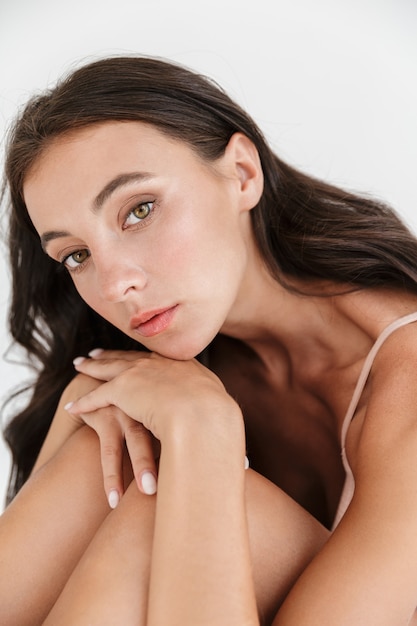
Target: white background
<point x="332" y="83"/>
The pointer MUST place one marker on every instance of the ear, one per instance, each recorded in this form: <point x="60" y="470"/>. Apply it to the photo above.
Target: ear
<point x="243" y="159"/>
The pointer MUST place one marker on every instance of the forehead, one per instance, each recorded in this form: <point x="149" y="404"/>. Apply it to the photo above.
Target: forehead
<point x="85" y="159"/>
<point x="110" y="138"/>
<point x="75" y="169"/>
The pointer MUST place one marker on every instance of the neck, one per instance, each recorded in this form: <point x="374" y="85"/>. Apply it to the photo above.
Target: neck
<point x="312" y="332"/>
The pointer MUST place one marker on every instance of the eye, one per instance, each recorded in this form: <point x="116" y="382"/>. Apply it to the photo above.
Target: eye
<point x="139" y="213"/>
<point x="74" y="260"/>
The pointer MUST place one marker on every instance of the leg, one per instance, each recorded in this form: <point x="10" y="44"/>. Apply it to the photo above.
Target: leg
<point x="110" y="583"/>
<point x="46" y="529"/>
<point x="283" y="539"/>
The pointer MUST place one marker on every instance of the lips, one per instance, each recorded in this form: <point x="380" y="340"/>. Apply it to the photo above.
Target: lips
<point x="152" y="323"/>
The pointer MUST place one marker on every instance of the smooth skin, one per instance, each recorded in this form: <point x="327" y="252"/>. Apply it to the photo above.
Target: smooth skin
<point x="385" y="536"/>
<point x="144" y="226"/>
<point x="107" y="581"/>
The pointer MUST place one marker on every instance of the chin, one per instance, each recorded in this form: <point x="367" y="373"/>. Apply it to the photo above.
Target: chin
<point x="178" y="354"/>
<point x="179" y="350"/>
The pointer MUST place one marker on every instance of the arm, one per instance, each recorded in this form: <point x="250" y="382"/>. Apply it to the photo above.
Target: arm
<point x="49" y="524"/>
<point x="365" y="574"/>
<point x="369" y="565"/>
<point x="116" y="433"/>
<point x="111" y="582"/>
<point x="201" y="569"/>
<point x="201" y="565"/>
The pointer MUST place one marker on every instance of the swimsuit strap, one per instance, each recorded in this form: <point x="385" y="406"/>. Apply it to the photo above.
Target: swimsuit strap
<point x="366" y="368"/>
<point x="349" y="486"/>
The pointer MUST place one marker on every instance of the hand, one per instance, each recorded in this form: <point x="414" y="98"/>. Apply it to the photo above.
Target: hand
<point x="116" y="432"/>
<point x="147" y="392"/>
<point x="149" y="388"/>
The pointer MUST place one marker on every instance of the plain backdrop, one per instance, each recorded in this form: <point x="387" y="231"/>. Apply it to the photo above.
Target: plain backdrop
<point x="332" y="83"/>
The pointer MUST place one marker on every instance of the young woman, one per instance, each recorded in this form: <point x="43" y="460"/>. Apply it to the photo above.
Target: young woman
<point x="215" y="302"/>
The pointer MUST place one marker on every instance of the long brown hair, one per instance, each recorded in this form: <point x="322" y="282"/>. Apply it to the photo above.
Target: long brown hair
<point x="305" y="229"/>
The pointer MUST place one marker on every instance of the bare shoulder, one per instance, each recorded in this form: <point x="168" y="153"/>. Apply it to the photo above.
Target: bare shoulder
<point x="394" y="375"/>
<point x="389" y="423"/>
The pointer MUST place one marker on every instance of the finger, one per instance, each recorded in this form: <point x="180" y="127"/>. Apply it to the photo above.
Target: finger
<point x="128" y="355"/>
<point x="139" y="444"/>
<point x="138" y="439"/>
<point x="111" y="452"/>
<point x="106" y="424"/>
<point x="106" y="368"/>
<point x="90" y="402"/>
<point x="117" y="393"/>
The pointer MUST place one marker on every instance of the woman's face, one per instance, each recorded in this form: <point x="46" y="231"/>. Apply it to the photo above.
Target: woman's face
<point x="155" y="239"/>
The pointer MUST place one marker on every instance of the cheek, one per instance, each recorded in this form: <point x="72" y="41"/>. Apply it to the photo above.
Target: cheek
<point x="178" y="249"/>
<point x="209" y="266"/>
<point x="89" y="294"/>
<point x="86" y="284"/>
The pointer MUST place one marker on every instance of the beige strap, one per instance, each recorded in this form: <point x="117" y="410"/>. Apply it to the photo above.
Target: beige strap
<point x="349" y="486"/>
<point x="363" y="377"/>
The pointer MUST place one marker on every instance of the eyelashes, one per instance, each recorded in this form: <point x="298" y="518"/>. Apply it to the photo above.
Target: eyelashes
<point x="74" y="261"/>
<point x="140" y="214"/>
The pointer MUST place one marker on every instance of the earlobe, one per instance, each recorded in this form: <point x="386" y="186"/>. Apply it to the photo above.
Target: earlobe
<point x="246" y="163"/>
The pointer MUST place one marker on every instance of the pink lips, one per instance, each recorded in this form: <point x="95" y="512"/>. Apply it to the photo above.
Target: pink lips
<point x="152" y="322"/>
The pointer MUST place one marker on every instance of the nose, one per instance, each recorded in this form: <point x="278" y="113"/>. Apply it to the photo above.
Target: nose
<point x="117" y="277"/>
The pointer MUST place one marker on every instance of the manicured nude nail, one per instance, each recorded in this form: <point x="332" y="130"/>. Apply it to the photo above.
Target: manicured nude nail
<point x="95" y="352"/>
<point x="68" y="406"/>
<point x="114" y="498"/>
<point x="78" y="360"/>
<point x="246" y="462"/>
<point x="148" y="482"/>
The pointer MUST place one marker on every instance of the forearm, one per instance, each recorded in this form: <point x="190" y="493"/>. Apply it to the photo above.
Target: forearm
<point x="201" y="567"/>
<point x="111" y="583"/>
<point x="366" y="575"/>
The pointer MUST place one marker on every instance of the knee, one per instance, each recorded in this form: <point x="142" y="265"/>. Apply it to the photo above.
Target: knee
<point x="81" y="452"/>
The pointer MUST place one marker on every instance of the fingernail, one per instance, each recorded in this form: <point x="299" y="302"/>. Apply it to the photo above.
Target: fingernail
<point x="114" y="498"/>
<point x="148" y="482"/>
<point x="78" y="360"/>
<point x="246" y="463"/>
<point x="68" y="406"/>
<point x="95" y="352"/>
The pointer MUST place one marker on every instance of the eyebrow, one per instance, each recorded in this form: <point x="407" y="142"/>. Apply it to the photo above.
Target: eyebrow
<point x="50" y="235"/>
<point x="122" y="180"/>
<point x="119" y="181"/>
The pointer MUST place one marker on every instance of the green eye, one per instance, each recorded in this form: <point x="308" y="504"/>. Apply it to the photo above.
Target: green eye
<point x="142" y="210"/>
<point x="79" y="256"/>
<point x="72" y="261"/>
<point x="139" y="213"/>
